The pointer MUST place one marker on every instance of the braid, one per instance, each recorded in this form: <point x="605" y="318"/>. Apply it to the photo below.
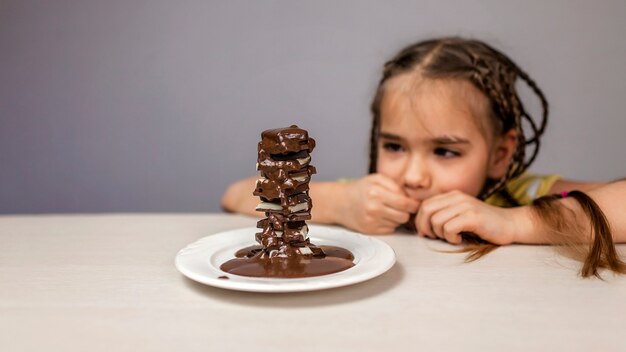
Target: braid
<point x="374" y="137"/>
<point x="537" y="132"/>
<point x="495" y="74"/>
<point x="497" y="82"/>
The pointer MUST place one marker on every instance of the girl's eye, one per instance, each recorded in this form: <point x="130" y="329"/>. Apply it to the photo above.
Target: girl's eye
<point x="446" y="153"/>
<point x="393" y="147"/>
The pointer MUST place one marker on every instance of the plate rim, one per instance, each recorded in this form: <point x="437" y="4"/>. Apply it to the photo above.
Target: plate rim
<point x="359" y="273"/>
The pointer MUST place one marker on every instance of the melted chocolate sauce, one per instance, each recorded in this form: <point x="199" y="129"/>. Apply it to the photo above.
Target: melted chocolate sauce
<point x="252" y="261"/>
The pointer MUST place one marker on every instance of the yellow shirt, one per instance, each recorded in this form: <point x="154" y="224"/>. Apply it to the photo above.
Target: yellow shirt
<point x="525" y="189"/>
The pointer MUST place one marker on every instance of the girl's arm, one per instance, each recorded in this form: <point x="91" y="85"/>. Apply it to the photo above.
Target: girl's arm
<point x="562" y="185"/>
<point x="585" y="224"/>
<point x="238" y="198"/>
<point x="609" y="197"/>
<point x="448" y="215"/>
<point x="372" y="204"/>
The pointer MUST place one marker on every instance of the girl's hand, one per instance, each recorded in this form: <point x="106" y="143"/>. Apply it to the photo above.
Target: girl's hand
<point x="446" y="215"/>
<point x="375" y="204"/>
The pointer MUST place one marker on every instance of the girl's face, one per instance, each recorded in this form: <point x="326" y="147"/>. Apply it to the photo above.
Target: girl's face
<point x="431" y="139"/>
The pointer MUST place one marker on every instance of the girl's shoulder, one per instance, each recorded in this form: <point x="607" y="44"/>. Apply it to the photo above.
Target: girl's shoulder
<point x="524" y="189"/>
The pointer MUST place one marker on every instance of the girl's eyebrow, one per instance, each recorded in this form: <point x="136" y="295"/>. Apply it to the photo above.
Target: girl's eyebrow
<point x="441" y="140"/>
<point x="449" y="140"/>
<point x="390" y="136"/>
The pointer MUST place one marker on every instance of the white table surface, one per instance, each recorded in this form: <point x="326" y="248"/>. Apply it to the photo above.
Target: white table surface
<point x="108" y="283"/>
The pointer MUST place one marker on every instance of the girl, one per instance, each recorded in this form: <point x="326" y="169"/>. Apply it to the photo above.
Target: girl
<point x="448" y="156"/>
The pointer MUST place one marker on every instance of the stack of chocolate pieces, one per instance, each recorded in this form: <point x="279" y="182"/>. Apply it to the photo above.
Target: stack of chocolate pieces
<point x="284" y="249"/>
<point x="284" y="163"/>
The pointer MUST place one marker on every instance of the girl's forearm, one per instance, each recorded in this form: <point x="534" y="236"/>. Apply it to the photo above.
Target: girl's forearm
<point x="238" y="197"/>
<point x="536" y="225"/>
<point x="327" y="198"/>
<point x="612" y="200"/>
<point x="556" y="222"/>
<point x="529" y="228"/>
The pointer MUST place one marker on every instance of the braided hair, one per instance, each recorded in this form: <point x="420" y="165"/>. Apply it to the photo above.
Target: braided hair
<point x="489" y="70"/>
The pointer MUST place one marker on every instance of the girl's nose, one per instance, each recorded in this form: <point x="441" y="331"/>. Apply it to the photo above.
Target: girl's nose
<point x="416" y="174"/>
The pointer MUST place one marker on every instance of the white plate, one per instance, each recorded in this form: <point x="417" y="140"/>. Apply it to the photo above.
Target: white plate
<point x="201" y="260"/>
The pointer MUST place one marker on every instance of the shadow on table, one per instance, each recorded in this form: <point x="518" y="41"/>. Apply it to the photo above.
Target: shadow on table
<point x="351" y="293"/>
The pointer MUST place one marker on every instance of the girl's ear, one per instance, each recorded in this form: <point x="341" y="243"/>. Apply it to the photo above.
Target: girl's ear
<point x="501" y="155"/>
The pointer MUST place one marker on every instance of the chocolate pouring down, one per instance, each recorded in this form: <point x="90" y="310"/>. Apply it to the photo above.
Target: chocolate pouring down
<point x="285" y="250"/>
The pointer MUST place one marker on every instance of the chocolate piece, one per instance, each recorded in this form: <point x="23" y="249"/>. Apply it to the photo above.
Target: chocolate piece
<point x="285" y="249"/>
<point x="286" y="140"/>
<point x="286" y="205"/>
<point x="275" y="185"/>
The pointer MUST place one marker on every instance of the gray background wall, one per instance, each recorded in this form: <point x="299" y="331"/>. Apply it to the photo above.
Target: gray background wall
<point x="119" y="106"/>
